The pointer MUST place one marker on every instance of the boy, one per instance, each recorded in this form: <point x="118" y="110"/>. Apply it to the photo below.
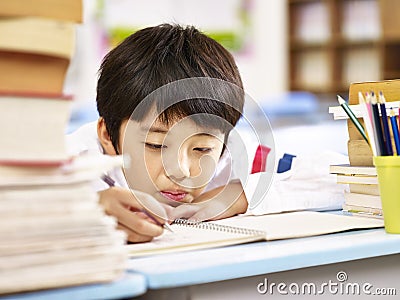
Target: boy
<point x="177" y="150"/>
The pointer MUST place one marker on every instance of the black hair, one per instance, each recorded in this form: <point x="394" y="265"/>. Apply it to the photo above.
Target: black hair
<point x="155" y="56"/>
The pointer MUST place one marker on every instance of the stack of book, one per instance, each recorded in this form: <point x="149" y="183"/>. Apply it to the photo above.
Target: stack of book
<point x="363" y="197"/>
<point x="53" y="231"/>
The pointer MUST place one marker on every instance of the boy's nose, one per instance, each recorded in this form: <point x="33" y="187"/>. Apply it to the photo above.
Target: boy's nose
<point x="178" y="169"/>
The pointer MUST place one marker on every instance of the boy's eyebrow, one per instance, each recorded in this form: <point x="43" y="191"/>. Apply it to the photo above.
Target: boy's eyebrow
<point x="155" y="129"/>
<point x="205" y="134"/>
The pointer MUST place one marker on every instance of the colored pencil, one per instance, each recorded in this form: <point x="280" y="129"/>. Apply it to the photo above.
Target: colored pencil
<point x="378" y="126"/>
<point x="352" y="117"/>
<point x="366" y="112"/>
<point x="385" y="125"/>
<point x="395" y="130"/>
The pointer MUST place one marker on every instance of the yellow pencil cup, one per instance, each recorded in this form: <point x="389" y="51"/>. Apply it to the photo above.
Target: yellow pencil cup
<point x="388" y="169"/>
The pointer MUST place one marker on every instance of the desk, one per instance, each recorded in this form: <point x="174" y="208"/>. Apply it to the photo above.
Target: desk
<point x="234" y="272"/>
<point x="130" y="285"/>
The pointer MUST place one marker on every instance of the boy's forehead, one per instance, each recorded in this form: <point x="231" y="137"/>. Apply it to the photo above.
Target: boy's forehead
<point x="179" y="125"/>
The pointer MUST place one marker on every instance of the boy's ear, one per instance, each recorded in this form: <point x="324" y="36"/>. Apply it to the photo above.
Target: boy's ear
<point x="104" y="137"/>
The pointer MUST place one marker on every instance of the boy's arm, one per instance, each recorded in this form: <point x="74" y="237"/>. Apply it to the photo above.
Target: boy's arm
<point x="222" y="202"/>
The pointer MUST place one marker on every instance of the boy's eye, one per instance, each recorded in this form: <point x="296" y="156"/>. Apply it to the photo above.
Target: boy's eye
<point x="155" y="146"/>
<point x="203" y="150"/>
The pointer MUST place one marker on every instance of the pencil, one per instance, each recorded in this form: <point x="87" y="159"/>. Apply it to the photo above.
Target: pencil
<point x="111" y="182"/>
<point x="368" y="100"/>
<point x="377" y="125"/>
<point x="395" y="130"/>
<point x="371" y="118"/>
<point x="366" y="111"/>
<point x="385" y="124"/>
<point x="398" y="121"/>
<point x="352" y="117"/>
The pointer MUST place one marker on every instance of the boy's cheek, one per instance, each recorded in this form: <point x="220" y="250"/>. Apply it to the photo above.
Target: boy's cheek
<point x="140" y="180"/>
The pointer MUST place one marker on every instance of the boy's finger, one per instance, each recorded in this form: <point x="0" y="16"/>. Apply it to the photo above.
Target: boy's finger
<point x="201" y="215"/>
<point x="149" y="216"/>
<point x="143" y="202"/>
<point x="137" y="223"/>
<point x="127" y="198"/>
<point x="168" y="208"/>
<point x="133" y="236"/>
<point x="210" y="212"/>
<point x="151" y="205"/>
<point x="110" y="198"/>
<point x="183" y="211"/>
<point x="121" y="203"/>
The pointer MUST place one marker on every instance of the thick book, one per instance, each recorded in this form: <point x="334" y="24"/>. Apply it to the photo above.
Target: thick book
<point x="38" y="36"/>
<point x="241" y="229"/>
<point x="360" y="179"/>
<point x="67" y="10"/>
<point x="348" y="169"/>
<point x="33" y="128"/>
<point x="367" y="189"/>
<point x="35" y="54"/>
<point x="360" y="153"/>
<point x="363" y="200"/>
<point x="27" y="72"/>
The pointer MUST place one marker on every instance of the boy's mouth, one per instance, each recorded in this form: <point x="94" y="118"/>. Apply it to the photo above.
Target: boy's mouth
<point x="174" y="195"/>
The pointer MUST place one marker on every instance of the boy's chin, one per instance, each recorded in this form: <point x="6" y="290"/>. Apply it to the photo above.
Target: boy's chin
<point x="171" y="202"/>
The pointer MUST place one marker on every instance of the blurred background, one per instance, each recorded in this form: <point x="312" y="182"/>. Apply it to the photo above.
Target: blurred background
<point x="295" y="56"/>
<point x="253" y="30"/>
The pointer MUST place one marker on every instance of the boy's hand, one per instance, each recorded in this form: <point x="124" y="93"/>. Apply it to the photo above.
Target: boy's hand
<point x="199" y="211"/>
<point x="123" y="205"/>
<point x="219" y="203"/>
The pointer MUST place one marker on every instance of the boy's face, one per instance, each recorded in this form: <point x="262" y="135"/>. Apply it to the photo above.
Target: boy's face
<point x="173" y="162"/>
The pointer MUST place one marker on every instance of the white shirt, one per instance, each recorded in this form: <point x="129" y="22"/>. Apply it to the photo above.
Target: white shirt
<point x="85" y="139"/>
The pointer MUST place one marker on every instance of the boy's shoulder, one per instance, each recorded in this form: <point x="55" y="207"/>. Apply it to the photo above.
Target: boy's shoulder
<point x="83" y="139"/>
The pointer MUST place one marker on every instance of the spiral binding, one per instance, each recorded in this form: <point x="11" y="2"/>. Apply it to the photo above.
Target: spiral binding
<point x="218" y="227"/>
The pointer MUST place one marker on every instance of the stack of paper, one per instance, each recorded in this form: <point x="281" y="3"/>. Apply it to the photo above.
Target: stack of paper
<point x="54" y="232"/>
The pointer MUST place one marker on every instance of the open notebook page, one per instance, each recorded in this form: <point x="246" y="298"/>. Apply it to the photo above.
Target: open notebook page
<point x="265" y="227"/>
<point x="184" y="238"/>
<point x="301" y="223"/>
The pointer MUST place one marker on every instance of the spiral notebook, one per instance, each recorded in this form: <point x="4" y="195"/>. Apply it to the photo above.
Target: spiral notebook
<point x="241" y="229"/>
